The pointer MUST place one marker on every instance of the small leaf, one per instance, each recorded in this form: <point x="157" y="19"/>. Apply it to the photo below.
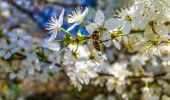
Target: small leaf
<point x="79" y="33"/>
<point x="66" y="39"/>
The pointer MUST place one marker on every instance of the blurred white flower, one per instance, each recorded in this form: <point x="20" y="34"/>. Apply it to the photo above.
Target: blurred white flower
<point x="51" y="45"/>
<point x="81" y="74"/>
<point x="119" y="70"/>
<point x="32" y="64"/>
<point x="54" y="25"/>
<point x="7" y="48"/>
<point x="76" y="17"/>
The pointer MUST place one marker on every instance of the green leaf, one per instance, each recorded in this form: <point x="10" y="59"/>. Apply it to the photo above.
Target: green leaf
<point x="79" y="33"/>
<point x="66" y="39"/>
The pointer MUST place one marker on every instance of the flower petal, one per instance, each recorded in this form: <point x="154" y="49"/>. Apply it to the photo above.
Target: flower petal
<point x="127" y="28"/>
<point x="117" y="44"/>
<point x="99" y="18"/>
<point x="53" y="36"/>
<point x="91" y="28"/>
<point x="148" y="34"/>
<point x="139" y="22"/>
<point x="161" y="29"/>
<point x="106" y="39"/>
<point x="85" y="12"/>
<point x="70" y="28"/>
<point x="112" y="23"/>
<point x="60" y="20"/>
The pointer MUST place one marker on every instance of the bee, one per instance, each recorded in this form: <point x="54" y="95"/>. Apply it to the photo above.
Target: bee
<point x="95" y="35"/>
<point x="96" y="45"/>
<point x="96" y="42"/>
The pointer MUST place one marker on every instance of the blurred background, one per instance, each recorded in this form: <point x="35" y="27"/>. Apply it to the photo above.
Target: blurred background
<point x="32" y="16"/>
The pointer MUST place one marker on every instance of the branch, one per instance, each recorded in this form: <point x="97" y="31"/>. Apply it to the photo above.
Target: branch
<point x="154" y="76"/>
<point x="25" y="11"/>
<point x="21" y="56"/>
<point x="62" y="4"/>
<point x="30" y="14"/>
<point x="149" y="76"/>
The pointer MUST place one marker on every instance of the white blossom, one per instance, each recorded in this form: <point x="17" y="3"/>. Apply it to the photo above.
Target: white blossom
<point x="54" y="25"/>
<point x="77" y="17"/>
<point x="131" y="19"/>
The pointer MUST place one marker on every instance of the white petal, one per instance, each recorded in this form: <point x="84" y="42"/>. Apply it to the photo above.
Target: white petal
<point x="91" y="28"/>
<point x="86" y="80"/>
<point x="53" y="36"/>
<point x="139" y="22"/>
<point x="106" y="39"/>
<point x="61" y="17"/>
<point x="92" y="74"/>
<point x="99" y="18"/>
<point x="79" y="87"/>
<point x="112" y="23"/>
<point x="85" y="12"/>
<point x="70" y="28"/>
<point x="125" y="39"/>
<point x="148" y="34"/>
<point x="119" y="39"/>
<point x="161" y="29"/>
<point x="71" y="20"/>
<point x="127" y="28"/>
<point x="2" y="53"/>
<point x="7" y="55"/>
<point x="117" y="44"/>
<point x="12" y="76"/>
<point x="51" y="45"/>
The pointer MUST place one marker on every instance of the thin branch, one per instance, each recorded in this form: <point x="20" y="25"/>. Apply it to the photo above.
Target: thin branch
<point x="25" y="11"/>
<point x="30" y="14"/>
<point x="21" y="56"/>
<point x="62" y="4"/>
<point x="154" y="76"/>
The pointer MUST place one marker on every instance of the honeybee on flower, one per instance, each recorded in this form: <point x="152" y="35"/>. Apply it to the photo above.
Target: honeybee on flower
<point x="103" y="27"/>
<point x="77" y="17"/>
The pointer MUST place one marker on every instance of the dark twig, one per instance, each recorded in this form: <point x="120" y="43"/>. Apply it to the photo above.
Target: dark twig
<point x="25" y="11"/>
<point x="30" y="14"/>
<point x="61" y="4"/>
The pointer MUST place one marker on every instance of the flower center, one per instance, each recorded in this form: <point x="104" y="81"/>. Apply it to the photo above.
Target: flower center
<point x="102" y="29"/>
<point x="128" y="18"/>
<point x="152" y="23"/>
<point x="91" y="57"/>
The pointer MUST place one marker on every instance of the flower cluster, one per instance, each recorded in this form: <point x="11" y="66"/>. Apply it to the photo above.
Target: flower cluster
<point x="128" y="53"/>
<point x="21" y="56"/>
<point x="141" y="28"/>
